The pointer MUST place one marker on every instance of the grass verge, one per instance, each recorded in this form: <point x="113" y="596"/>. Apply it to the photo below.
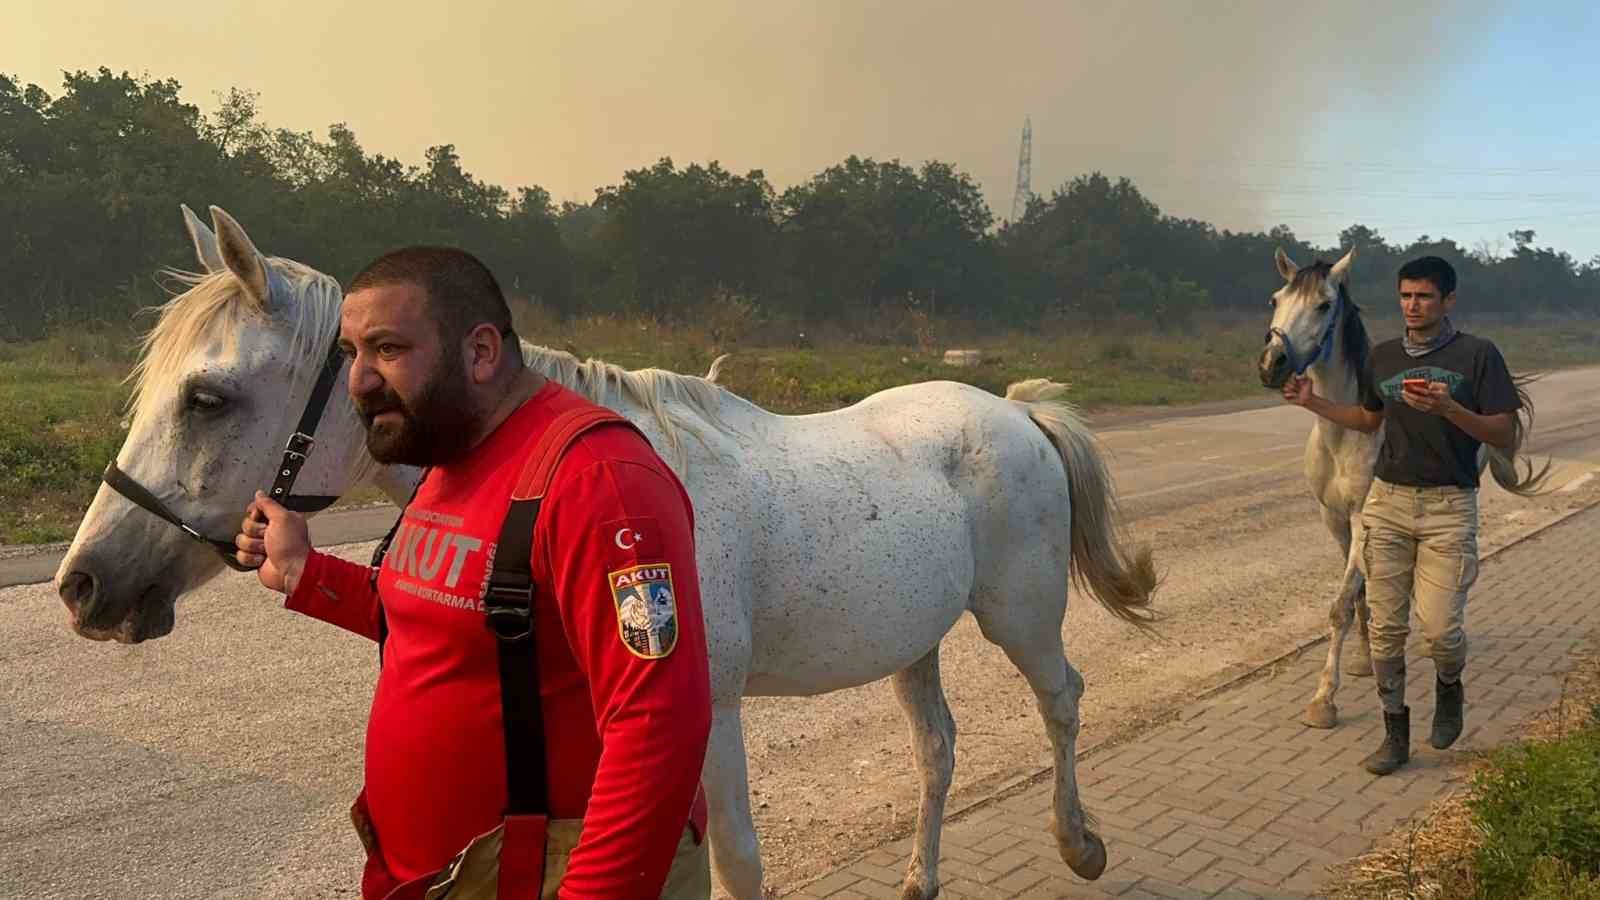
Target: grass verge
<point x="61" y="399"/>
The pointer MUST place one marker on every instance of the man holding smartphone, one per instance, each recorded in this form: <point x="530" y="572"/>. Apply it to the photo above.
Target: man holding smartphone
<point x="1438" y="394"/>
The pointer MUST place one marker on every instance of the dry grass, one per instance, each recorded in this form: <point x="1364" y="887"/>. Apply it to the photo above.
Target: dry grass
<point x="61" y="398"/>
<point x="1432" y="858"/>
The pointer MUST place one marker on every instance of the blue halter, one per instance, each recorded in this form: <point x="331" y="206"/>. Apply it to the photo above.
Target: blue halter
<point x="1324" y="346"/>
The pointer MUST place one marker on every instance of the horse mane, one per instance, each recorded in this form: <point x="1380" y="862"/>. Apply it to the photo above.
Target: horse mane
<point x="1310" y="277"/>
<point x="214" y="306"/>
<point x="608" y="384"/>
<point x="1355" y="343"/>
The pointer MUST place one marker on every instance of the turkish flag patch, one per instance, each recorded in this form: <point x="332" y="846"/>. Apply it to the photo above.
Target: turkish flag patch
<point x="631" y="538"/>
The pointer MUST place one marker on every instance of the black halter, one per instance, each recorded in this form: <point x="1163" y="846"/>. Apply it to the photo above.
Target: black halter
<point x="294" y="457"/>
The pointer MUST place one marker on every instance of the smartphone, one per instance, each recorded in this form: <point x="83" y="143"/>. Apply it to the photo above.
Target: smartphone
<point x="1415" y="384"/>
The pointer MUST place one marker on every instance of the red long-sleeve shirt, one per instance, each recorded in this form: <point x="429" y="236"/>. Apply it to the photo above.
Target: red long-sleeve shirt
<point x="622" y="658"/>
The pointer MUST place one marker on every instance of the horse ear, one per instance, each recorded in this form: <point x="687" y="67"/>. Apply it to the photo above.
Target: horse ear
<point x="242" y="258"/>
<point x="1341" y="269"/>
<point x="205" y="242"/>
<point x="1286" y="266"/>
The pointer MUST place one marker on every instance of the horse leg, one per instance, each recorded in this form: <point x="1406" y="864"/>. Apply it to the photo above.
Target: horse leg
<point x="933" y="743"/>
<point x="1321" y="711"/>
<point x="1035" y="649"/>
<point x="1347" y="531"/>
<point x="1360" y="662"/>
<point x="735" y="852"/>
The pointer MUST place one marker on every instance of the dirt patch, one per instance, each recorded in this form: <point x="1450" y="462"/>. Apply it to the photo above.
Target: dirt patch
<point x="1133" y="416"/>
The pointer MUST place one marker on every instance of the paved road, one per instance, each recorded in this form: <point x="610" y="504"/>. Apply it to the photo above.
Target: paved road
<point x="219" y="762"/>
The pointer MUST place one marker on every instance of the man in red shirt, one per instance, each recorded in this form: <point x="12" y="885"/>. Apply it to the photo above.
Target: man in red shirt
<point x="438" y="377"/>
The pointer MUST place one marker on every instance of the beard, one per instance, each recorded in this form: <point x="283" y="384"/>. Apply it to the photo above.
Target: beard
<point x="435" y="428"/>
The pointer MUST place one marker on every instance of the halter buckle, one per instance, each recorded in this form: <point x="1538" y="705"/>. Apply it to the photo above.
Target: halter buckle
<point x="299" y="444"/>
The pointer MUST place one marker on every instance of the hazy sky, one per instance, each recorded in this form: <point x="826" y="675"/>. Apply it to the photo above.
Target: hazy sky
<point x="1467" y="119"/>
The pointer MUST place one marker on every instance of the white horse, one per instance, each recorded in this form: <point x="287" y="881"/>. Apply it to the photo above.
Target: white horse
<point x="1317" y="331"/>
<point x="835" y="549"/>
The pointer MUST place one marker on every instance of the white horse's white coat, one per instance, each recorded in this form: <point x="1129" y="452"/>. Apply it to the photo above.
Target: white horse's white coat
<point x="1338" y="461"/>
<point x="834" y="549"/>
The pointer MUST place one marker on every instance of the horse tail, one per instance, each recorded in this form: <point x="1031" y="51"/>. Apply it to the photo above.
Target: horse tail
<point x="1526" y="482"/>
<point x="1119" y="579"/>
<point x="716" y="368"/>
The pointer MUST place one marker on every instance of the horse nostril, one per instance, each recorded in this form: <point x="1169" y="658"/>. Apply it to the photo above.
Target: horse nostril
<point x="1272" y="367"/>
<point x="77" y="592"/>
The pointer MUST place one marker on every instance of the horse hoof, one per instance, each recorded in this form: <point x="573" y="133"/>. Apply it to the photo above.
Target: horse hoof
<point x="1321" y="715"/>
<point x="916" y="892"/>
<point x="1359" y="665"/>
<point x="1092" y="864"/>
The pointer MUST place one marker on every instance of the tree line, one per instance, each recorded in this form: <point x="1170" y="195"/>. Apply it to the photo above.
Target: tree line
<point x="90" y="179"/>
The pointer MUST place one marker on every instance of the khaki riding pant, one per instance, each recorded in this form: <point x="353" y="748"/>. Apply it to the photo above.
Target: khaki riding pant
<point x="1421" y="544"/>
<point x="472" y="874"/>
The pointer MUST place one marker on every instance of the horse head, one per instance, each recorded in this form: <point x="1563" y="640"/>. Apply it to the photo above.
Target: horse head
<point x="224" y="380"/>
<point x="1306" y="313"/>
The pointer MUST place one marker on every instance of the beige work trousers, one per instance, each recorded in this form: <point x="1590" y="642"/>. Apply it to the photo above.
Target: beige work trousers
<point x="1420" y="544"/>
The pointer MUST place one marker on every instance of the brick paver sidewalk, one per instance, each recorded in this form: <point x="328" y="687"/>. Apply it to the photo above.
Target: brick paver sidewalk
<point x="1237" y="798"/>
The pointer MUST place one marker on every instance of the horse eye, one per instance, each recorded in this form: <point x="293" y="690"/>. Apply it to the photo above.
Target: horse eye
<point x="206" y="401"/>
<point x="1324" y="306"/>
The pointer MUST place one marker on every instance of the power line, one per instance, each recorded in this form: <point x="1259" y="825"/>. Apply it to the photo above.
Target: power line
<point x="1527" y="219"/>
<point x="1584" y="196"/>
<point x="1200" y="161"/>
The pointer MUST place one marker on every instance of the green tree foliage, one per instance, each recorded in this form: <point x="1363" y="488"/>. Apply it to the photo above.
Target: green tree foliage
<point x="90" y="181"/>
<point x="674" y="236"/>
<point x="873" y="233"/>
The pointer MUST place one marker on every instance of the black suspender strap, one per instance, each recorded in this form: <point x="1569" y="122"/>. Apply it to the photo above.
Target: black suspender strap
<point x="509" y="608"/>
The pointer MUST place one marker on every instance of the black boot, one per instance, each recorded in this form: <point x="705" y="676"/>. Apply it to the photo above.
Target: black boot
<point x="1446" y="713"/>
<point x="1396" y="747"/>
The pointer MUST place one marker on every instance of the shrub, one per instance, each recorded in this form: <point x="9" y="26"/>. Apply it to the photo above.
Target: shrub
<point x="1538" y="808"/>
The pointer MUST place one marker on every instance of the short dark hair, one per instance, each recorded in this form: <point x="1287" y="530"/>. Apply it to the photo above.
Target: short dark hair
<point x="1430" y="268"/>
<point x="461" y="291"/>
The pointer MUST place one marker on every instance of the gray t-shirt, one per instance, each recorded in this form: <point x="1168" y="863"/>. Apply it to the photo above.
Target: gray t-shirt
<point x="1424" y="450"/>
